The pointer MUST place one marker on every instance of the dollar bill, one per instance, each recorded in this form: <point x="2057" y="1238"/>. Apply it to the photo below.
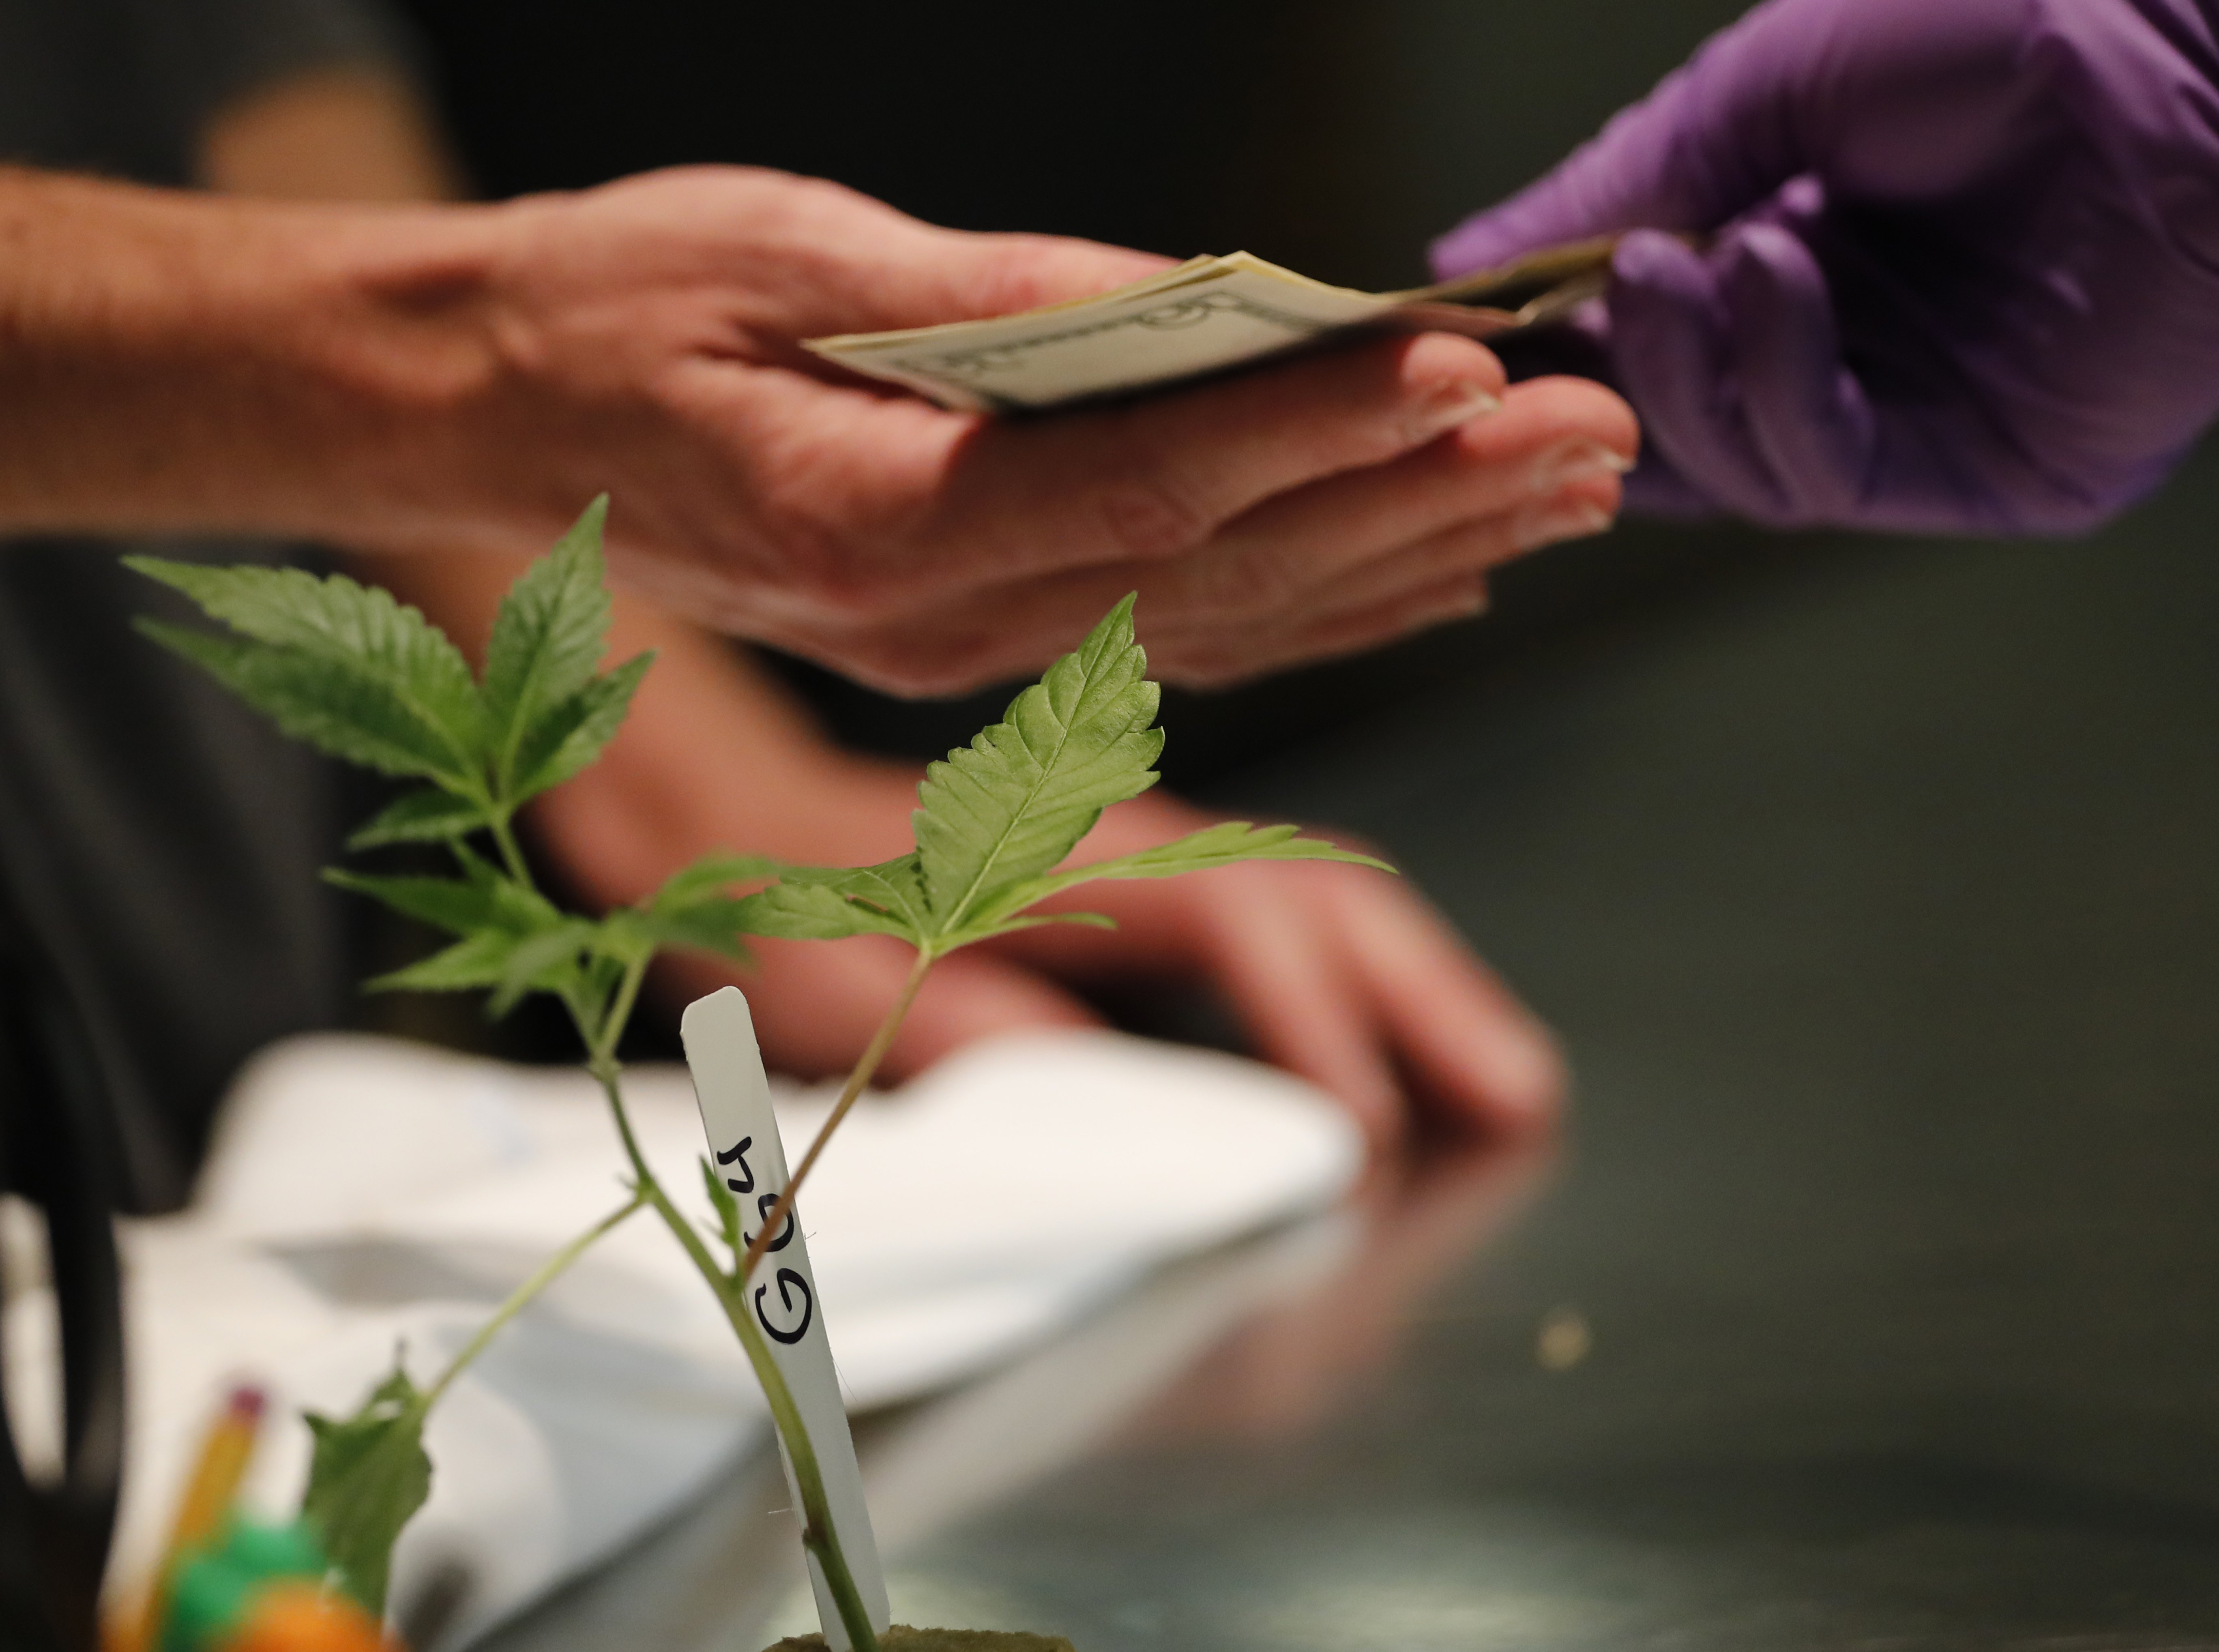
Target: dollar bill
<point x="1205" y="316"/>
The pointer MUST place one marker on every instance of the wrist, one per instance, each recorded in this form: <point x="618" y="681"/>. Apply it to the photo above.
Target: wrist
<point x="183" y="362"/>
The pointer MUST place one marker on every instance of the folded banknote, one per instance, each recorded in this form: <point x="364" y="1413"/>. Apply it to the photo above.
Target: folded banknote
<point x="1206" y="315"/>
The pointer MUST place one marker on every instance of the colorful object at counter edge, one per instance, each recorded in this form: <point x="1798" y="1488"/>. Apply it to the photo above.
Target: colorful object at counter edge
<point x="227" y="1585"/>
<point x="262" y="1590"/>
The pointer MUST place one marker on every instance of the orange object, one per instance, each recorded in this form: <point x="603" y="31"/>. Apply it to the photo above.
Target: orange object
<point x="300" y="1617"/>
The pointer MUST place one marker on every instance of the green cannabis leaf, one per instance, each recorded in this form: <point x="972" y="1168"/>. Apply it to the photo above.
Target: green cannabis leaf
<point x="370" y="681"/>
<point x="366" y="679"/>
<point x="346" y="668"/>
<point x="547" y="639"/>
<point x="427" y="817"/>
<point x="1221" y="845"/>
<point x="997" y="816"/>
<point x="367" y="1477"/>
<point x="1019" y="798"/>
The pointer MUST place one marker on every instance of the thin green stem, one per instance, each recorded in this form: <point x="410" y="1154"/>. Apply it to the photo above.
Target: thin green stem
<point x="547" y="1273"/>
<point x="619" y="1015"/>
<point x="819" y="1535"/>
<point x="873" y="1053"/>
<point x="512" y="854"/>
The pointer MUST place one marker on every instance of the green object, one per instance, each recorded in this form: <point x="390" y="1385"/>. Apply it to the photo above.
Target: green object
<point x="367" y="1476"/>
<point x="208" y="1600"/>
<point x="362" y="678"/>
<point x="997" y="816"/>
<point x="267" y="1551"/>
<point x="213" y="1590"/>
<point x="357" y="675"/>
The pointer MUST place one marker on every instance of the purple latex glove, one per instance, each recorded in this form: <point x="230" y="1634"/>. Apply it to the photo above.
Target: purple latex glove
<point x="1965" y="272"/>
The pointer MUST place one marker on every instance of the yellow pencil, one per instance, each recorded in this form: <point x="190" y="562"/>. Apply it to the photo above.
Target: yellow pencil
<point x="224" y="1456"/>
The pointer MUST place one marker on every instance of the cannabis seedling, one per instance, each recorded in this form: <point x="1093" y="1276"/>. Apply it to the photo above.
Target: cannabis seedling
<point x="366" y="679"/>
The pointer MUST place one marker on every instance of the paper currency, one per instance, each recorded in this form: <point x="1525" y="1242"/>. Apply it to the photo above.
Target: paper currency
<point x="1207" y="316"/>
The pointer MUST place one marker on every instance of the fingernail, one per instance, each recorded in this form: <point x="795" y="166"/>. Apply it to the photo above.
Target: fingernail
<point x="1453" y="404"/>
<point x="1527" y="1074"/>
<point x="1559" y="520"/>
<point x="1466" y="605"/>
<point x="1578" y="461"/>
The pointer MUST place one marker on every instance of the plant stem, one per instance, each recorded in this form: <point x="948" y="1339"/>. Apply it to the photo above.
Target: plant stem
<point x="619" y="1013"/>
<point x="819" y="1535"/>
<point x="547" y="1273"/>
<point x="512" y="854"/>
<point x="875" y="1051"/>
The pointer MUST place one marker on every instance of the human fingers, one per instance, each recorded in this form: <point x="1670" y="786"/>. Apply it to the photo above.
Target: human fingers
<point x="1352" y="979"/>
<point x="966" y="275"/>
<point x="1154" y="480"/>
<point x="1215" y="656"/>
<point x="1256" y="934"/>
<point x="1318" y="551"/>
<point x="1282" y="975"/>
<point x="1462" y="1037"/>
<point x="790" y="258"/>
<point x="914" y="547"/>
<point x="1548" y="436"/>
<point x="1436" y="582"/>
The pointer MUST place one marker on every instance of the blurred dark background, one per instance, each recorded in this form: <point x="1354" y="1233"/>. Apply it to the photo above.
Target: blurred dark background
<point x="1333" y="136"/>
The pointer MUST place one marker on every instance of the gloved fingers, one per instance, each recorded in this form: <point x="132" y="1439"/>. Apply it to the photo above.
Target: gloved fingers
<point x="1654" y="489"/>
<point x="1714" y="138"/>
<point x="1671" y="345"/>
<point x="1807" y="415"/>
<point x="1897" y="97"/>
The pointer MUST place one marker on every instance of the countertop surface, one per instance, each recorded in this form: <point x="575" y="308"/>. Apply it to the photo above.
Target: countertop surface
<point x="1871" y="1296"/>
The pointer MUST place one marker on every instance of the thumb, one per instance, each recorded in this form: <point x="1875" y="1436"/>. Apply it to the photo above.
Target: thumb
<point x="965" y="276"/>
<point x="1877" y="99"/>
<point x="1718" y="135"/>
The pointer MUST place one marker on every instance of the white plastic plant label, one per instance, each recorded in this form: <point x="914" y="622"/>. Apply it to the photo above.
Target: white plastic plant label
<point x="734" y="1095"/>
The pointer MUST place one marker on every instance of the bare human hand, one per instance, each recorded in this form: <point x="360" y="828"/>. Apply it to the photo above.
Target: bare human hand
<point x="446" y="377"/>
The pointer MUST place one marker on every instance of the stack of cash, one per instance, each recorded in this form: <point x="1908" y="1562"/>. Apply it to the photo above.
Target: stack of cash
<point x="1207" y="316"/>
